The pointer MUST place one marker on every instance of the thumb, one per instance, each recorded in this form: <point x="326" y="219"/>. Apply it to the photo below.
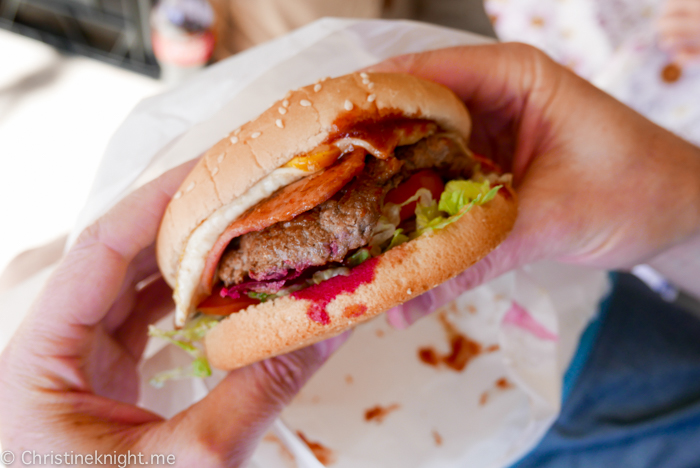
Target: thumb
<point x="224" y="428"/>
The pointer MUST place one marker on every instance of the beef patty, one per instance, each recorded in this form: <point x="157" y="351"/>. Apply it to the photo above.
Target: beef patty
<point x="332" y="229"/>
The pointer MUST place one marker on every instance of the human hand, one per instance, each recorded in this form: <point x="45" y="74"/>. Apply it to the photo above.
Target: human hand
<point x="679" y="30"/>
<point x="69" y="380"/>
<point x="598" y="184"/>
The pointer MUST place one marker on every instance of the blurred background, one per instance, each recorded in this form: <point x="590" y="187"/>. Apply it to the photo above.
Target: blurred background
<point x="71" y="70"/>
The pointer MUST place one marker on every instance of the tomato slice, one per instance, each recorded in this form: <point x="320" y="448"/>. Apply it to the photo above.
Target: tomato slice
<point x="217" y="305"/>
<point x="423" y="179"/>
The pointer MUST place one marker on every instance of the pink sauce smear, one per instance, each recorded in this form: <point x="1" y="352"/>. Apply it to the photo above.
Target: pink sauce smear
<point x="322" y="294"/>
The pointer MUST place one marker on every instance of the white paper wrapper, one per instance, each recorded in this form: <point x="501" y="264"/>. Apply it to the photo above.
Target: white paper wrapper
<point x="487" y="415"/>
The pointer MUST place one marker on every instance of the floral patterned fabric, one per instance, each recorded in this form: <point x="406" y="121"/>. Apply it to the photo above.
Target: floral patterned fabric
<point x="612" y="43"/>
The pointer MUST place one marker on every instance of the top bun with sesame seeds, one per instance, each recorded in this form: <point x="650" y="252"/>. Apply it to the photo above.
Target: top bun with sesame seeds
<point x="256" y="161"/>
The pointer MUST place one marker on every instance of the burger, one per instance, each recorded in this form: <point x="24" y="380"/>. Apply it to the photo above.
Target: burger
<point x="345" y="198"/>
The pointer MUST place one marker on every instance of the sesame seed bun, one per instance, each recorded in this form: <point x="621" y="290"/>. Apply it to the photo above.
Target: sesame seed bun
<point x="245" y="168"/>
<point x="229" y="169"/>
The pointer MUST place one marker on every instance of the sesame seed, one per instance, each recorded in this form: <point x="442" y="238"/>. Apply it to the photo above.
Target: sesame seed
<point x="234" y="140"/>
<point x="285" y="103"/>
<point x="214" y="171"/>
<point x="237" y="131"/>
<point x="279" y="123"/>
<point x="409" y="292"/>
<point x="370" y="86"/>
<point x="189" y="187"/>
<point x="371" y="98"/>
<point x="348" y="105"/>
<point x="282" y="110"/>
<point x="177" y="195"/>
<point x="305" y="103"/>
<point x="255" y="134"/>
<point x="220" y="158"/>
<point x="317" y="88"/>
<point x="364" y="76"/>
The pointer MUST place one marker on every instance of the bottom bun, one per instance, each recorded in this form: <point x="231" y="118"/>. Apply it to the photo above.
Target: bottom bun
<point x="342" y="302"/>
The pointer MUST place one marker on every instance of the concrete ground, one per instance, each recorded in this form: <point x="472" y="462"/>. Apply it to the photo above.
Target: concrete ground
<point x="57" y="114"/>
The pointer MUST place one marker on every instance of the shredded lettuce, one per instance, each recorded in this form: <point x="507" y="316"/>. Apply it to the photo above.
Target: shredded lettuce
<point x="261" y="296"/>
<point x="456" y="200"/>
<point x="460" y="193"/>
<point x="358" y="257"/>
<point x="423" y="196"/>
<point x="398" y="239"/>
<point x="188" y="339"/>
<point x="324" y="275"/>
<point x="199" y="368"/>
<point x="287" y="291"/>
<point x="383" y="231"/>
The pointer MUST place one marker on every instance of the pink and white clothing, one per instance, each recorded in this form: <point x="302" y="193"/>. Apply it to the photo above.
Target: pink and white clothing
<point x="612" y="43"/>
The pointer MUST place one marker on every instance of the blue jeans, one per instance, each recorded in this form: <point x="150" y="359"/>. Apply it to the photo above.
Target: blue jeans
<point x="633" y="401"/>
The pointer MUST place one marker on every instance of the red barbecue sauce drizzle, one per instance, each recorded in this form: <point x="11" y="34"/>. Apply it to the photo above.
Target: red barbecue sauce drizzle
<point x="322" y="294"/>
<point x="382" y="134"/>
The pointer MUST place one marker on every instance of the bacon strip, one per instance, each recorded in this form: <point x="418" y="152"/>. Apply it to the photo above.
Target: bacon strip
<point x="284" y="205"/>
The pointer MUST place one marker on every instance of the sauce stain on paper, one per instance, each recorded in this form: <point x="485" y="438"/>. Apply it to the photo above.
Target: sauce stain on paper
<point x="285" y="454"/>
<point x="323" y="454"/>
<point x="437" y="438"/>
<point x="501" y="385"/>
<point x="378" y="413"/>
<point x="462" y="349"/>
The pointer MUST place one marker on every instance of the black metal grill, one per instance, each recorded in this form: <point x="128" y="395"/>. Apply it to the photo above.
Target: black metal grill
<point x="113" y="31"/>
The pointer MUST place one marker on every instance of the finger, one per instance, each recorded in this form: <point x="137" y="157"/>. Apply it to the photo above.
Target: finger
<point x="143" y="266"/>
<point x="57" y="333"/>
<point x="676" y="32"/>
<point x="680" y="8"/>
<point x="224" y="428"/>
<point x="91" y="276"/>
<point x="151" y="304"/>
<point x="506" y="89"/>
<point x="76" y="421"/>
<point x="688" y="56"/>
